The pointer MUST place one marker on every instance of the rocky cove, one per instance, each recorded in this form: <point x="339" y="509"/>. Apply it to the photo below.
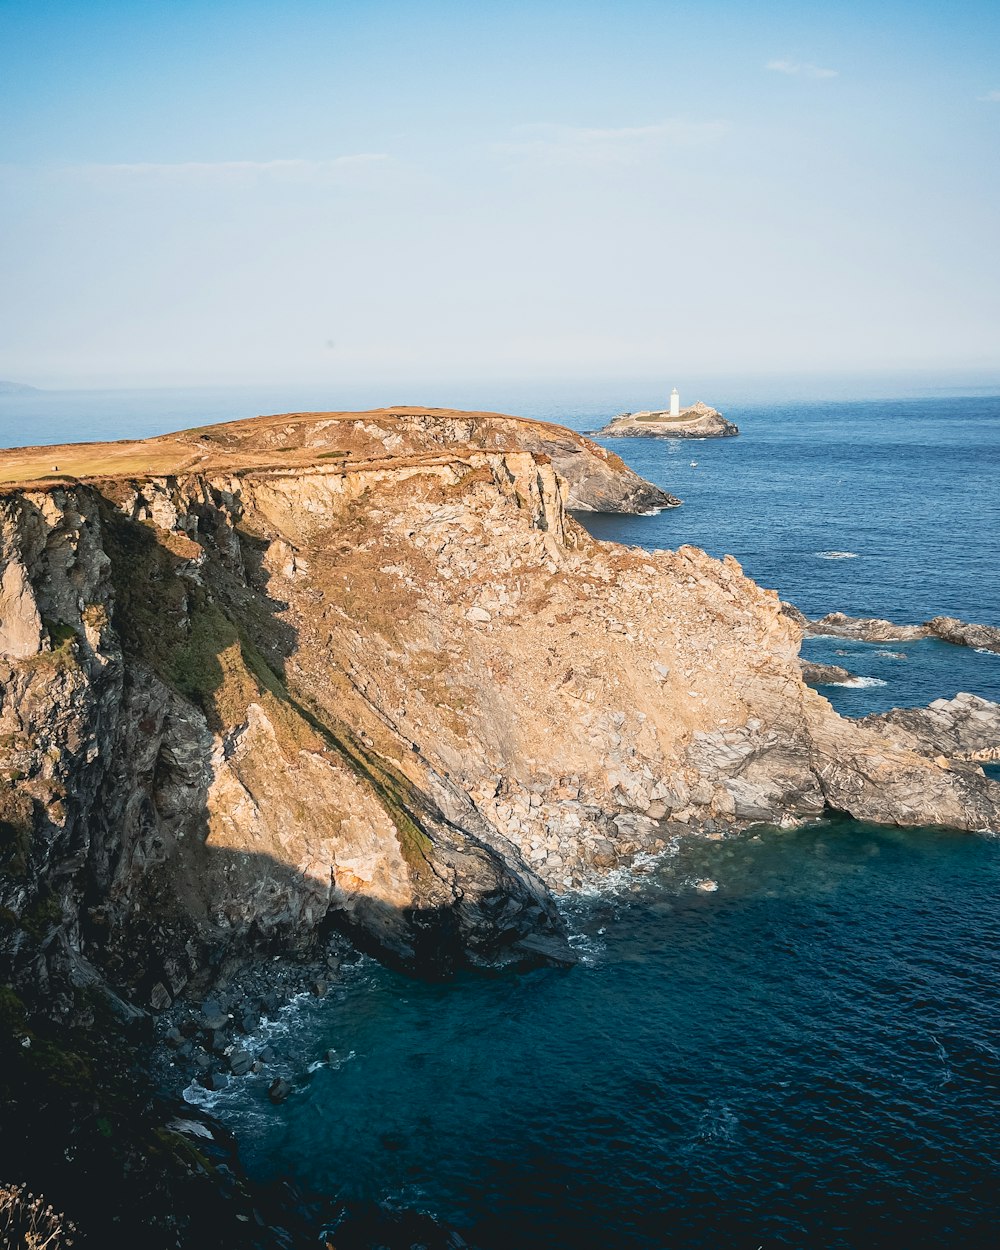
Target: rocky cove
<point x="329" y="682"/>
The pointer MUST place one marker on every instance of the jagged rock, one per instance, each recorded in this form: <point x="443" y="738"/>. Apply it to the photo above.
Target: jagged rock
<point x="961" y="634"/>
<point x="212" y="1016"/>
<point x="875" y="629"/>
<point x="240" y="1062"/>
<point x="278" y="1090"/>
<point x="865" y="629"/>
<point x="815" y="674"/>
<point x="963" y="728"/>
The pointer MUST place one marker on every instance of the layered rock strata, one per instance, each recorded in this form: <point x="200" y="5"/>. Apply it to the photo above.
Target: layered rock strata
<point x="962" y="729"/>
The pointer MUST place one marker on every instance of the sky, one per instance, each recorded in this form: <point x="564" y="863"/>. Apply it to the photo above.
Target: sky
<point x="330" y="190"/>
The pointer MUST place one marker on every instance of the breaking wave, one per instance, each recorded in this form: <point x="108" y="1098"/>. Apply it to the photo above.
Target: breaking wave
<point x="836" y="555"/>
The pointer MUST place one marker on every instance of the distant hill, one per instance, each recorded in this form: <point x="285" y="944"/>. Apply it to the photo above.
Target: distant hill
<point x="16" y="388"/>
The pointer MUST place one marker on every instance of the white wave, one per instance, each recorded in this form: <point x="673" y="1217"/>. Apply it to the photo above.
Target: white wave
<point x="197" y="1095"/>
<point x="836" y="555"/>
<point x="892" y="655"/>
<point x="983" y="651"/>
<point x="861" y="683"/>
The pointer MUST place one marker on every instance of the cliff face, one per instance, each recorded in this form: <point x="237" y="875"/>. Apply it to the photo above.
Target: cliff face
<point x="408" y="697"/>
<point x="596" y="479"/>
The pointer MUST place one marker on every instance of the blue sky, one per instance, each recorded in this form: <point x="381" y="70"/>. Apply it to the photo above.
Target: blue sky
<point x="313" y="191"/>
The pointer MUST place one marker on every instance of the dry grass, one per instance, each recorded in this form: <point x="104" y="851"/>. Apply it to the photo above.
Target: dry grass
<point x="27" y="1222"/>
<point x="328" y="441"/>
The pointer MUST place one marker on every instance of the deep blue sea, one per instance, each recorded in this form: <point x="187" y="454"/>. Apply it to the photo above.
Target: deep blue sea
<point x="810" y="1056"/>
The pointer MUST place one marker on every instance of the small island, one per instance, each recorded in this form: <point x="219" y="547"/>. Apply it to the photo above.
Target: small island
<point x="696" y="421"/>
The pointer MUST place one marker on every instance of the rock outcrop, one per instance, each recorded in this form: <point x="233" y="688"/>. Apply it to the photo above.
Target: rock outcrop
<point x="962" y="729"/>
<point x="696" y="421"/>
<point x="815" y="674"/>
<point x="875" y="629"/>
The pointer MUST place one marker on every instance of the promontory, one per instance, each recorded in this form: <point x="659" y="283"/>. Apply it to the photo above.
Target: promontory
<point x="361" y="675"/>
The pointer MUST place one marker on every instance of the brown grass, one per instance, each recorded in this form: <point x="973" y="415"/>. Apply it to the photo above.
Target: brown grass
<point x="273" y="442"/>
<point x="28" y="1222"/>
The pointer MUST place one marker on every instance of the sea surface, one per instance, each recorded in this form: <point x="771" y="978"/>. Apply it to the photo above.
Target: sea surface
<point x="808" y="1056"/>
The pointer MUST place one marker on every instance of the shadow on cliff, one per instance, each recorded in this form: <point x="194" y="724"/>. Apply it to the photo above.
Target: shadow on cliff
<point x="163" y="908"/>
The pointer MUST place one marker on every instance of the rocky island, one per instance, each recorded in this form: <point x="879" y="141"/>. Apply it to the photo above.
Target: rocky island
<point x="356" y="679"/>
<point x="696" y="421"/>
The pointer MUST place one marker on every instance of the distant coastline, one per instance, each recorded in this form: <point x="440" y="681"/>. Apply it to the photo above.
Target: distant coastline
<point x="17" y="388"/>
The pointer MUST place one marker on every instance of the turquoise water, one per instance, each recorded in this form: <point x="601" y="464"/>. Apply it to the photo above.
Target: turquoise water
<point x="808" y="1056"/>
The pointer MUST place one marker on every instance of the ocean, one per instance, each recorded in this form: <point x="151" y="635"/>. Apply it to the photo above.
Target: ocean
<point x="807" y="1057"/>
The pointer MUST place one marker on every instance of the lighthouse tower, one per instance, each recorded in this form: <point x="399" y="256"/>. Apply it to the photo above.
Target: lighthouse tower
<point x="675" y="403"/>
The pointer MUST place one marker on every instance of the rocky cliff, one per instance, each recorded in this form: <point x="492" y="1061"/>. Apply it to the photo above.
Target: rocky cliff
<point x="408" y="697"/>
<point x="255" y="687"/>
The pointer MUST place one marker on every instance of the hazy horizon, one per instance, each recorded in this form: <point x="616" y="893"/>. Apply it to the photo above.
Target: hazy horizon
<point x="408" y="195"/>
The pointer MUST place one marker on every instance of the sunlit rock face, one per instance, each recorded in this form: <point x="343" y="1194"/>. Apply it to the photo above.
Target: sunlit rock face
<point x="401" y="694"/>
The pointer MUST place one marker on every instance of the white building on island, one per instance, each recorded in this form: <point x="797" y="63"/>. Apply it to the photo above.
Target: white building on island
<point x="675" y="403"/>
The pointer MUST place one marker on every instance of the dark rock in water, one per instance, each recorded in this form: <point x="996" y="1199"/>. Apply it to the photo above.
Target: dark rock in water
<point x="213" y="1080"/>
<point x="202" y="1059"/>
<point x="537" y="947"/>
<point x="248" y="1021"/>
<point x="270" y="1003"/>
<point x="267" y="1055"/>
<point x="217" y="1042"/>
<point x="279" y="1089"/>
<point x="961" y="634"/>
<point x="331" y="1056"/>
<point x="825" y="674"/>
<point x="875" y="629"/>
<point x="213" y="1016"/>
<point x="174" y="1038"/>
<point x="319" y="987"/>
<point x="240" y="1062"/>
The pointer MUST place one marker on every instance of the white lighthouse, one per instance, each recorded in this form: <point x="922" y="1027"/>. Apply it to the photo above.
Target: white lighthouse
<point x="675" y="403"/>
